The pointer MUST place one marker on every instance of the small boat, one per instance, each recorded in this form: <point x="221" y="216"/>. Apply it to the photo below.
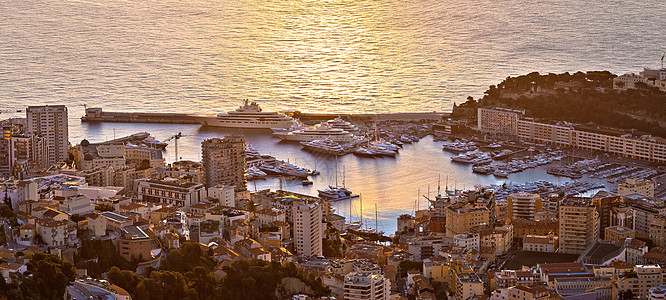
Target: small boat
<point x="306" y="182"/>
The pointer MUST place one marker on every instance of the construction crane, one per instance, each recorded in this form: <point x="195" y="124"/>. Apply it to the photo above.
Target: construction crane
<point x="175" y="137"/>
<point x="613" y="283"/>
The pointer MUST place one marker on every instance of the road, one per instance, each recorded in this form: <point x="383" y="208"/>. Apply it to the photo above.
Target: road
<point x="11" y="244"/>
<point x="75" y="293"/>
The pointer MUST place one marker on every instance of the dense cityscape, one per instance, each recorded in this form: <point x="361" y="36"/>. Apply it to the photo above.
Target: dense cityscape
<point x="114" y="220"/>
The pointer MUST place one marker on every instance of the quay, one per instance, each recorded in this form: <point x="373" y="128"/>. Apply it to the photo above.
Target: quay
<point x="97" y="115"/>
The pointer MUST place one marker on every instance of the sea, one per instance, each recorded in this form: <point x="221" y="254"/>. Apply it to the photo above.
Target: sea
<point x="205" y="56"/>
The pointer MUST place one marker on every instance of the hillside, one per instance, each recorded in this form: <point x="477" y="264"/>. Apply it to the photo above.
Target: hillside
<point x="581" y="98"/>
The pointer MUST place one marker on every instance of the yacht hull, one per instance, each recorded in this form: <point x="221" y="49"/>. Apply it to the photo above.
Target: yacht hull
<point x="263" y="124"/>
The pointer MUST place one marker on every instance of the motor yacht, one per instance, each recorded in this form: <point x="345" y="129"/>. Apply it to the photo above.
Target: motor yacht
<point x="248" y="115"/>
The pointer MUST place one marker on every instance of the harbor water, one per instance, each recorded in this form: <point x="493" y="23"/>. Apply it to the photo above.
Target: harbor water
<point x="396" y="185"/>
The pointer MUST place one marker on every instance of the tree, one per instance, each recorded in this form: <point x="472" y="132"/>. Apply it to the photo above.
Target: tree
<point x="407" y="265"/>
<point x="47" y="277"/>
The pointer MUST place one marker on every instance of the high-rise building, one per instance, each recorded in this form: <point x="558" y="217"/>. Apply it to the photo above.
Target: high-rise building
<point x="224" y="161"/>
<point x="523" y="205"/>
<point x="579" y="225"/>
<point x="5" y="153"/>
<point x="50" y="122"/>
<point x="366" y="286"/>
<point x="308" y="229"/>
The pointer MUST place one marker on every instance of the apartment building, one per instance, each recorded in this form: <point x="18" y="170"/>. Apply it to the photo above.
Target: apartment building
<point x="223" y="194"/>
<point x="658" y="230"/>
<point x="503" y="121"/>
<point x="50" y="122"/>
<point x="224" y="161"/>
<point x="134" y="244"/>
<point x="642" y="280"/>
<point x="423" y="247"/>
<point x="461" y="217"/>
<point x="579" y="225"/>
<point x="308" y="228"/>
<point x="467" y="285"/>
<point x="523" y="205"/>
<point x="91" y="156"/>
<point x="52" y="232"/>
<point x="171" y="191"/>
<point x="509" y="122"/>
<point x="508" y="278"/>
<point x="630" y="186"/>
<point x="366" y="286"/>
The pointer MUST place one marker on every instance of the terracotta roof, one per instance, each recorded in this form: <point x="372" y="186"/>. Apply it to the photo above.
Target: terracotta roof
<point x="47" y="222"/>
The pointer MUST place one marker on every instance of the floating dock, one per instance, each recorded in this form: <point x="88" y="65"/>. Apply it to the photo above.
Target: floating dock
<point x="97" y="115"/>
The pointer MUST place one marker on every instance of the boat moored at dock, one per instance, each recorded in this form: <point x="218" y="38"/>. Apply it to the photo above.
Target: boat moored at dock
<point x="249" y="115"/>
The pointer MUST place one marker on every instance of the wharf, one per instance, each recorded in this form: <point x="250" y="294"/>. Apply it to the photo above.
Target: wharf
<point x="97" y="115"/>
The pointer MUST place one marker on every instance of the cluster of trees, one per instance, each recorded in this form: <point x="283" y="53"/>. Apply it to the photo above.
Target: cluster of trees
<point x="47" y="277"/>
<point x="187" y="273"/>
<point x="98" y="256"/>
<point x="631" y="109"/>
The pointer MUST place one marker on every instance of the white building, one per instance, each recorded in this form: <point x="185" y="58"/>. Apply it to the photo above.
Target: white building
<point x="498" y="120"/>
<point x="50" y="122"/>
<point x="523" y="205"/>
<point x="308" y="228"/>
<point x="511" y="123"/>
<point x="467" y="240"/>
<point x="224" y="194"/>
<point x="180" y="193"/>
<point x="366" y="286"/>
<point x="52" y="232"/>
<point x="78" y="204"/>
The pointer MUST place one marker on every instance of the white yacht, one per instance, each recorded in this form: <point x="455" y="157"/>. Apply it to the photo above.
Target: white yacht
<point x="319" y="132"/>
<point x="249" y="115"/>
<point x="342" y="124"/>
<point x="324" y="146"/>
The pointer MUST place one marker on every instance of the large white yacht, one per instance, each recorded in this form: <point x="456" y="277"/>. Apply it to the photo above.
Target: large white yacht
<point x="319" y="132"/>
<point x="249" y="115"/>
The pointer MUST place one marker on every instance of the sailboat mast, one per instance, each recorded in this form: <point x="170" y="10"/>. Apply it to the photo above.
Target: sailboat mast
<point x="344" y="176"/>
<point x="336" y="172"/>
<point x="360" y="198"/>
<point x="376" y="226"/>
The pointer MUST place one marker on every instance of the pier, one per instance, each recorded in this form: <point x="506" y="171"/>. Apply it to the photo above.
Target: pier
<point x="97" y="115"/>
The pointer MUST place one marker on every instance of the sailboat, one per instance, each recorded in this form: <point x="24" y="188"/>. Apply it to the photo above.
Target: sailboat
<point x="337" y="193"/>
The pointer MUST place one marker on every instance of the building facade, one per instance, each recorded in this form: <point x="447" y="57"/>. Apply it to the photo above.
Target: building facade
<point x="366" y="286"/>
<point x="224" y="162"/>
<point x="308" y="228"/>
<point x="523" y="205"/>
<point x="50" y="122"/>
<point x="579" y="225"/>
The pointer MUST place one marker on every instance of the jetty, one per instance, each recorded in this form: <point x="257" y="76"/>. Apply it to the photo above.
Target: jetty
<point x="96" y="114"/>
